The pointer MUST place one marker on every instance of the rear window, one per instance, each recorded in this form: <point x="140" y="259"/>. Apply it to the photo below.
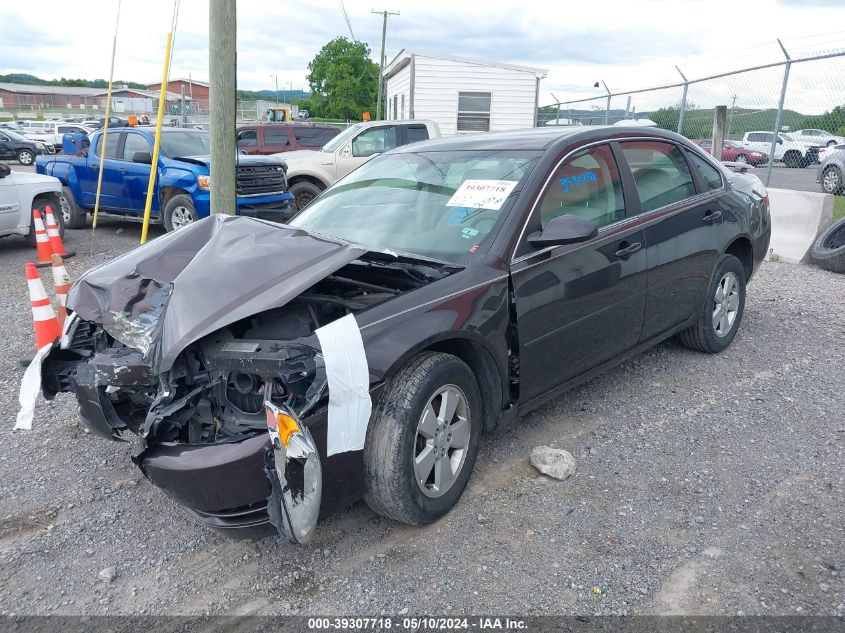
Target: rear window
<point x="111" y="145"/>
<point x="417" y="133"/>
<point x="276" y="136"/>
<point x="314" y="136"/>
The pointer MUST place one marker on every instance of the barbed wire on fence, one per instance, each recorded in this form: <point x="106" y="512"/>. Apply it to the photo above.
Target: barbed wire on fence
<point x="804" y="94"/>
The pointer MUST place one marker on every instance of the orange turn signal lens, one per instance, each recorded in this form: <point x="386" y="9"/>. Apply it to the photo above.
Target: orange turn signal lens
<point x="284" y="424"/>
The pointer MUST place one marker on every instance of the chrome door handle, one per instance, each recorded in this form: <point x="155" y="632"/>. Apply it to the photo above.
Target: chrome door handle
<point x="626" y="250"/>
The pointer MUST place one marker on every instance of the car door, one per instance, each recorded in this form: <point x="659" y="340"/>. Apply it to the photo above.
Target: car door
<point x="247" y="140"/>
<point x="136" y="174"/>
<point x="275" y="139"/>
<point x="10" y="207"/>
<point x="6" y="149"/>
<point x="683" y="225"/>
<point x="111" y="193"/>
<point x="582" y="304"/>
<point x="371" y="142"/>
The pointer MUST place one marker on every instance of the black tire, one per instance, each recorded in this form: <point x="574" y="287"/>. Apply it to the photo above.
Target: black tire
<point x="831" y="143"/>
<point x="41" y="204"/>
<point x="175" y="209"/>
<point x="703" y="335"/>
<point x="389" y="477"/>
<point x="76" y="217"/>
<point x="303" y="193"/>
<point x="831" y="180"/>
<point x="26" y="156"/>
<point x="793" y="159"/>
<point x="828" y="251"/>
<point x="742" y="158"/>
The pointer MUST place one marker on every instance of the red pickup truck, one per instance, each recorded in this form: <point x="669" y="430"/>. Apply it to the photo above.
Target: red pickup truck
<point x="274" y="138"/>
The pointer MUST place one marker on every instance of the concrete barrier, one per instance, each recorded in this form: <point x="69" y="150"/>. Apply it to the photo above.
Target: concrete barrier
<point x="798" y="217"/>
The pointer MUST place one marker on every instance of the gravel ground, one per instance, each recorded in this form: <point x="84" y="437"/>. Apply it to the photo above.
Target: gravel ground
<point x="704" y="485"/>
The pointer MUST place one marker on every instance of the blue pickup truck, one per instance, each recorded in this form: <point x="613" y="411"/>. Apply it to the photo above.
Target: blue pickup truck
<point x="182" y="186"/>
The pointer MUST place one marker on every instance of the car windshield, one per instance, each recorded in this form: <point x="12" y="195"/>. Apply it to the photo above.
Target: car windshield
<point x="340" y="139"/>
<point x="441" y="205"/>
<point x="786" y="137"/>
<point x="185" y="143"/>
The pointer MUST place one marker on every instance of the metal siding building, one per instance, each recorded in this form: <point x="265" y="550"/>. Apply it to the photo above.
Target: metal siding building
<point x="461" y="95"/>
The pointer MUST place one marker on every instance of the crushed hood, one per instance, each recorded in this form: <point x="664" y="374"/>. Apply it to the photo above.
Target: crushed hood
<point x="163" y="295"/>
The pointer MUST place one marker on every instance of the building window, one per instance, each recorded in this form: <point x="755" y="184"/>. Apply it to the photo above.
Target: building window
<point x="474" y="111"/>
<point x="395" y="110"/>
<point x="402" y="111"/>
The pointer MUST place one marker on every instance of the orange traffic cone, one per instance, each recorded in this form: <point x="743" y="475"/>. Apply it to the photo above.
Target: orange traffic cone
<point x="61" y="282"/>
<point x="53" y="235"/>
<point x="42" y="242"/>
<point x="46" y="326"/>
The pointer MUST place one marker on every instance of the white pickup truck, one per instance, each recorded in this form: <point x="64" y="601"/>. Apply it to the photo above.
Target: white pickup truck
<point x="310" y="171"/>
<point x="790" y="152"/>
<point x="20" y="194"/>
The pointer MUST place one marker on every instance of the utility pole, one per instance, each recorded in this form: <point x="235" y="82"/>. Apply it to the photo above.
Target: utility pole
<point x="222" y="95"/>
<point x="385" y="15"/>
<point x="276" y="94"/>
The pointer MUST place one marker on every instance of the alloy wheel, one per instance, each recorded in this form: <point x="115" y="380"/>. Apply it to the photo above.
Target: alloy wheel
<point x="181" y="217"/>
<point x="831" y="181"/>
<point x="65" y="209"/>
<point x="442" y="440"/>
<point x="742" y="158"/>
<point x="725" y="304"/>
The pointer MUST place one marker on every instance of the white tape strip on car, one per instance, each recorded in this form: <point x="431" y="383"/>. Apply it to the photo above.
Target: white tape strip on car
<point x="30" y="387"/>
<point x="349" y="385"/>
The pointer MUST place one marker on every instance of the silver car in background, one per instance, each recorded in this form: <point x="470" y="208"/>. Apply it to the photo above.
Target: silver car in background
<point x="831" y="169"/>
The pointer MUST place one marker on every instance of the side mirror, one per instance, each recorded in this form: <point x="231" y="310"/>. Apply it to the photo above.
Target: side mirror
<point x="564" y="229"/>
<point x="780" y="141"/>
<point x="5" y="170"/>
<point x="142" y="157"/>
<point x="346" y="152"/>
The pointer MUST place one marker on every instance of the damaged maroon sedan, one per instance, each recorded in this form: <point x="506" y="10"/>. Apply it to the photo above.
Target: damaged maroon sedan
<point x="275" y="373"/>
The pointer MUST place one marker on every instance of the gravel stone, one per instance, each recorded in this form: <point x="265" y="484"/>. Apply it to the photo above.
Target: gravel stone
<point x="554" y="462"/>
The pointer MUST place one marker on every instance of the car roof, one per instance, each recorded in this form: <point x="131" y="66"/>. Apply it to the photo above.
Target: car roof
<point x="540" y="138"/>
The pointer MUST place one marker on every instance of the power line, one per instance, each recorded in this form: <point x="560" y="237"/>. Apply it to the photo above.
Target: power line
<point x="348" y="23"/>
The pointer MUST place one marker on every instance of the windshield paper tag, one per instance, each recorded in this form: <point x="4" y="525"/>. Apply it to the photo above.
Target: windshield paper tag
<point x="482" y="194"/>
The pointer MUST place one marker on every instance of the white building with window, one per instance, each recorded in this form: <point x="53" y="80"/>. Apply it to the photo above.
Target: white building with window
<point x="460" y="94"/>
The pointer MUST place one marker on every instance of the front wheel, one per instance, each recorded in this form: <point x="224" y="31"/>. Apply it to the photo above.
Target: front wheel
<point x="179" y="212"/>
<point x="742" y="158"/>
<point x="25" y="157"/>
<point x="423" y="440"/>
<point x="832" y="180"/>
<point x="719" y="318"/>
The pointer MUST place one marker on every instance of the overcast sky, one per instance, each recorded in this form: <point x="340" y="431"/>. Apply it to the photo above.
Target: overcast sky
<point x="626" y="43"/>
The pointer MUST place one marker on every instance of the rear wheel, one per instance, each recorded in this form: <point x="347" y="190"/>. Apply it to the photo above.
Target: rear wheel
<point x="304" y="192"/>
<point x="423" y="439"/>
<point x="792" y="159"/>
<point x="26" y="157"/>
<point x="721" y="313"/>
<point x="179" y="212"/>
<point x="73" y="216"/>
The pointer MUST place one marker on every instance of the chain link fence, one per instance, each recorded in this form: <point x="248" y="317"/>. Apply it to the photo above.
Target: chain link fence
<point x="791" y="109"/>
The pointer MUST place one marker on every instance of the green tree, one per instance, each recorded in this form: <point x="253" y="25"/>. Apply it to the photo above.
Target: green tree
<point x="832" y="121"/>
<point x="343" y="80"/>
